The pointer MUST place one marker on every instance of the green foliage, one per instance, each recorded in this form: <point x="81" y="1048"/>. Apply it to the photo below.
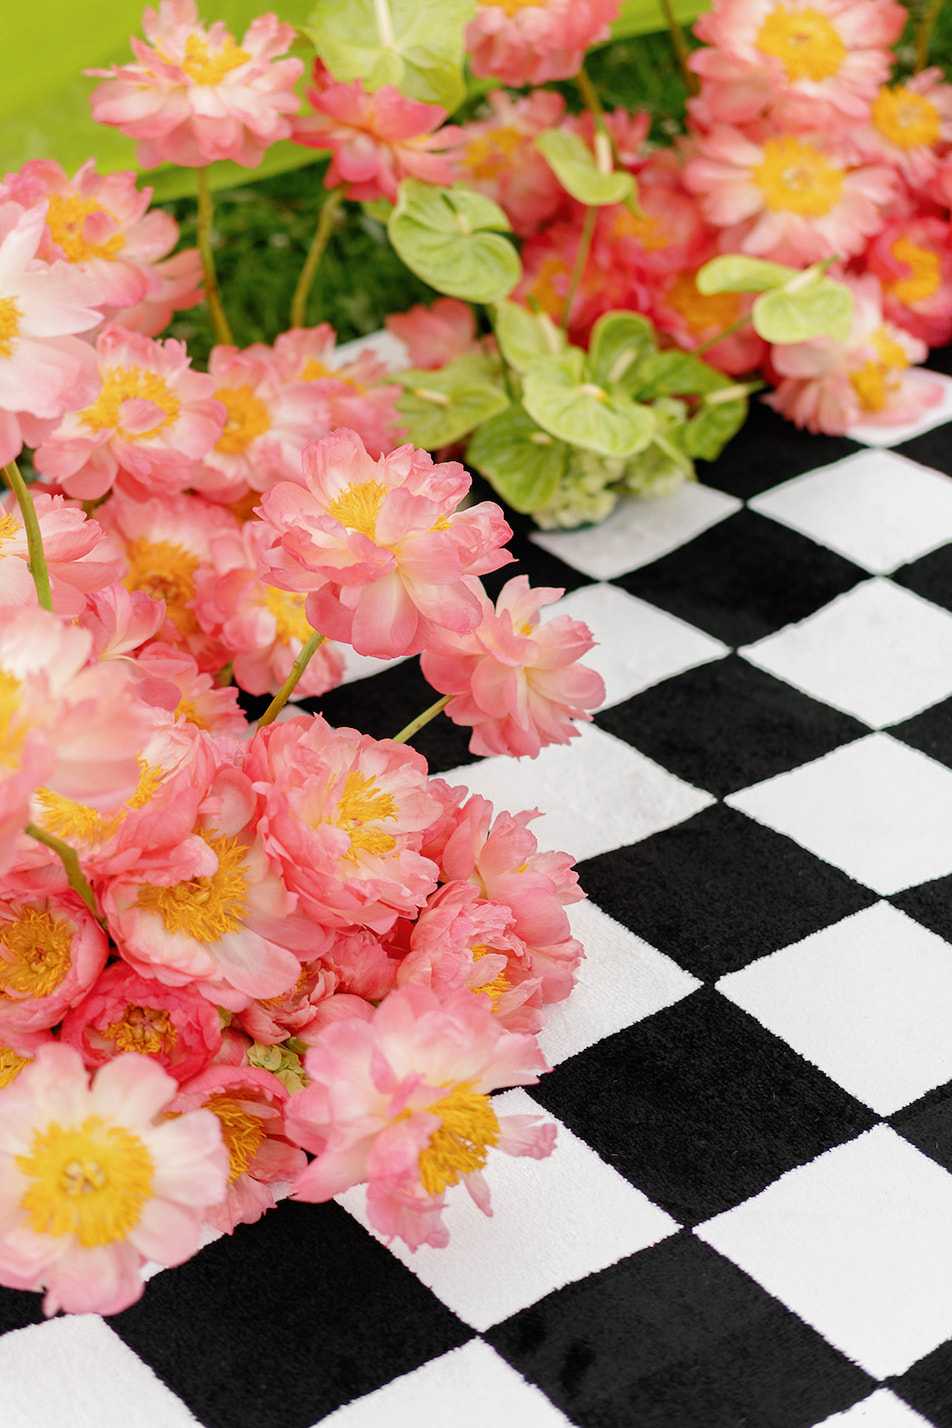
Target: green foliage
<point x="640" y="17"/>
<point x="559" y="394"/>
<point x="524" y="336"/>
<point x="674" y="373"/>
<point x="619" y="342"/>
<point x="794" y="305"/>
<point x="441" y="407"/>
<point x="719" y="417"/>
<point x="575" y="167"/>
<point x="449" y="237"/>
<point x="523" y="463"/>
<point x="736" y="273"/>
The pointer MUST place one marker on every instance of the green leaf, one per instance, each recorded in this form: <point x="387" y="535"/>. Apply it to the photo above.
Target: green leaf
<point x="557" y="394"/>
<point x="642" y="17"/>
<point x="416" y="45"/>
<point x="573" y="163"/>
<point x="711" y="428"/>
<point x="672" y="374"/>
<point x="444" y="236"/>
<point x="523" y="463"/>
<point x="619" y="341"/>
<point x="735" y="273"/>
<point x="822" y="308"/>
<point x="441" y="407"/>
<point x="523" y="335"/>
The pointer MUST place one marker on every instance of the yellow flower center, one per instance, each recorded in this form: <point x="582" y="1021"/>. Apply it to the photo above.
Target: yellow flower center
<point x="499" y="985"/>
<point x="795" y="177"/>
<point x="645" y="229"/>
<point x="34" y="953"/>
<point x="468" y="1127"/>
<point x="188" y="711"/>
<point x="90" y="1181"/>
<point x="66" y="219"/>
<point x="9" y="527"/>
<point x="78" y="823"/>
<point x="925" y="272"/>
<point x="906" y="119"/>
<point x="11" y="1064"/>
<point x="147" y="1030"/>
<point x="10" y="314"/>
<point x="314" y="371"/>
<point x="357" y="507"/>
<point x="361" y="803"/>
<point x="241" y="1132"/>
<point x="205" y="67"/>
<point x="701" y="311"/>
<point x="13" y="724"/>
<point x="804" y="41"/>
<point x="128" y="384"/>
<point x="247" y="419"/>
<point x="876" y="381"/>
<point x="165" y="571"/>
<point x="287" y="607"/>
<point x="512" y="7"/>
<point x="489" y="155"/>
<point x="205" y="909"/>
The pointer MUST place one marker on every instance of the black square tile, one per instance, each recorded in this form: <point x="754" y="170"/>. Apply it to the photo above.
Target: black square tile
<point x="927" y="1123"/>
<point x="719" y="890"/>
<point x="700" y="1106"/>
<point x="540" y="565"/>
<point x="940" y="360"/>
<point x="930" y="576"/>
<point x="18" y="1309"/>
<point x="677" y="1337"/>
<point x="286" y="1320"/>
<point x="933" y="448"/>
<point x="767" y="450"/>
<point x="927" y="1386"/>
<point x="931" y="904"/>
<point x="744" y="578"/>
<point x="930" y="731"/>
<point x="727" y="725"/>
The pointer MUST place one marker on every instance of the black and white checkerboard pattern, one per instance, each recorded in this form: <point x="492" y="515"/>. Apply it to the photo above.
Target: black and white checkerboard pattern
<point x="748" y="1216"/>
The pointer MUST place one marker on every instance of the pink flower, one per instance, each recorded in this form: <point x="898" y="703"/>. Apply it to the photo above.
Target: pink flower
<point x="381" y="545"/>
<point x="497" y="156"/>
<point x="95" y="1179"/>
<point x="355" y="394"/>
<point x="18" y="1050"/>
<point x="608" y="282"/>
<point x="517" y="684"/>
<point x="173" y="1026"/>
<point x="344" y="814"/>
<point x="912" y="258"/>
<point x="192" y="695"/>
<point x="249" y="1105"/>
<point x="355" y="965"/>
<point x="176" y="284"/>
<point x="435" y="335"/>
<point x="533" y="41"/>
<point x="693" y="319"/>
<point x="910" y="126"/>
<point x="786" y="197"/>
<point x="400" y="1102"/>
<point x="51" y="951"/>
<point x="120" y="621"/>
<point x="153" y="419"/>
<point x="376" y="140"/>
<point x="195" y="96"/>
<point x="80" y="558"/>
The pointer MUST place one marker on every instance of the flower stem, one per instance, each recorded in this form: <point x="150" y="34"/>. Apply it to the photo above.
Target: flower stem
<point x="590" y="95"/>
<point x="728" y="331"/>
<point x="290" y="684"/>
<point x="70" y="860"/>
<point x="421" y="720"/>
<point x="212" y="290"/>
<point x="680" y="47"/>
<point x="924" y="31"/>
<point x="34" y="540"/>
<point x="322" y="233"/>
<point x="581" y="259"/>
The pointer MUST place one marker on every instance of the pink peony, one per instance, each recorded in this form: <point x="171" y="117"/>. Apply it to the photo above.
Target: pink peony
<point x="693" y="319"/>
<point x="18" y="1050"/>
<point x="497" y="156"/>
<point x="95" y="1179"/>
<point x="176" y="284"/>
<point x="51" y="952"/>
<point x="910" y="126"/>
<point x="912" y="258"/>
<point x="195" y="96"/>
<point x="194" y="696"/>
<point x="607" y="283"/>
<point x="355" y="965"/>
<point x="80" y="558"/>
<point x="120" y="621"/>
<point x="435" y="335"/>
<point x="355" y="394"/>
<point x="381" y="546"/>
<point x="532" y="41"/>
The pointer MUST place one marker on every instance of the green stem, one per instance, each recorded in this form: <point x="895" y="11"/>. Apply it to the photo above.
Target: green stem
<point x="581" y="259"/>
<point x="421" y="720"/>
<point x="680" y="47"/>
<point x="728" y="331"/>
<point x="70" y="860"/>
<point x="212" y="290"/>
<point x="290" y="684"/>
<point x="322" y="233"/>
<point x="924" y="32"/>
<point x="34" y="540"/>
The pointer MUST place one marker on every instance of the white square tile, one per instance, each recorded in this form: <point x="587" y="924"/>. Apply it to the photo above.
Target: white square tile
<point x="878" y="652"/>
<point x="872" y="435"/>
<point x="638" y="532"/>
<point x="553" y="1221"/>
<point x="382" y="344"/>
<point x="468" y="1388"/>
<point x="622" y="980"/>
<point x="881" y="1410"/>
<point x="596" y="793"/>
<point x="358" y="666"/>
<point x="876" y="508"/>
<point x="638" y="644"/>
<point x="859" y="1244"/>
<point x="867" y="1000"/>
<point x="876" y="808"/>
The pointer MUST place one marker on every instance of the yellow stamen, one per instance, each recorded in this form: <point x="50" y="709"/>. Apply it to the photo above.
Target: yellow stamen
<point x="125" y="384"/>
<point x="9" y="527"/>
<point x="490" y="154"/>
<point x="795" y="177"/>
<point x="314" y="371"/>
<point x="805" y="42"/>
<point x="643" y="228"/>
<point x="512" y="7"/>
<point x="468" y="1128"/>
<point x="925" y="273"/>
<point x="905" y="118"/>
<point x="185" y="709"/>
<point x="90" y="1181"/>
<point x="287" y="607"/>
<point x="146" y="1030"/>
<point x="10" y="314"/>
<point x="361" y="803"/>
<point x="11" y="1064"/>
<point x="499" y="985"/>
<point x="702" y="312"/>
<point x="34" y="953"/>
<point x="66" y="219"/>
<point x="165" y="571"/>
<point x="205" y="909"/>
<point x="241" y="1131"/>
<point x="876" y="381"/>
<point x="547" y="291"/>
<point x="247" y="419"/>
<point x="357" y="507"/>
<point x="207" y="67"/>
<point x="78" y="823"/>
<point x="13" y="723"/>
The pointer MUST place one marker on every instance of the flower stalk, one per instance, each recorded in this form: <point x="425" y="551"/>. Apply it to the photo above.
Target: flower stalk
<point x="322" y="234"/>
<point x="421" y="720"/>
<point x="71" y="866"/>
<point x="291" y="683"/>
<point x="580" y="264"/>
<point x="34" y="540"/>
<point x="213" y="297"/>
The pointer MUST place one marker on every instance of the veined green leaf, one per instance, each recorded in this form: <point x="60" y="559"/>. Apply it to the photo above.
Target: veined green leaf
<point x="619" y="342"/>
<point x="523" y="335"/>
<point x="736" y="273"/>
<point x="672" y="374"/>
<point x="520" y="460"/>
<point x="575" y="167"/>
<point x="558" y="395"/>
<point x="445" y="236"/>
<point x="823" y="308"/>
<point x="441" y="407"/>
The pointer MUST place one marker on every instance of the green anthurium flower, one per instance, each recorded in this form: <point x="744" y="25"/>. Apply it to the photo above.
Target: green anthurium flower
<point x="523" y="335"/>
<point x="440" y="407"/>
<point x="559" y="393"/>
<point x="452" y="239"/>
<point x="523" y="463"/>
<point x="588" y="177"/>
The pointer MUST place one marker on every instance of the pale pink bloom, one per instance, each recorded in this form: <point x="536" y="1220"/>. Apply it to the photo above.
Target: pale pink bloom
<point x="667" y="236"/>
<point x="400" y="1102"/>
<point x="344" y="814"/>
<point x="250" y="1106"/>
<point x="18" y="1050"/>
<point x="195" y="96"/>
<point x="532" y="41"/>
<point x="95" y="1179"/>
<point x="44" y="368"/>
<point x="807" y="63"/>
<point x="517" y="684"/>
<point x="788" y="197"/>
<point x="356" y="394"/>
<point x="51" y="952"/>
<point x="912" y="258"/>
<point x="497" y="156"/>
<point x="176" y="284"/>
<point x="831" y="386"/>
<point x="381" y="546"/>
<point x="192" y="695"/>
<point x="355" y="965"/>
<point x="608" y="282"/>
<point x="260" y="628"/>
<point x="375" y="140"/>
<point x="174" y="1026"/>
<point x="693" y="319"/>
<point x="120" y="621"/>
<point x="435" y="335"/>
<point x="80" y="557"/>
<point x="910" y="126"/>
<point x="153" y="419"/>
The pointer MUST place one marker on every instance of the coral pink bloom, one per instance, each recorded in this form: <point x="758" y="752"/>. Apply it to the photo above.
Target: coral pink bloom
<point x="249" y="1104"/>
<point x="120" y="621"/>
<point x="175" y="284"/>
<point x="344" y="814"/>
<point x="830" y="386"/>
<point x="44" y="369"/>
<point x="51" y="951"/>
<point x="80" y="558"/>
<point x="260" y="628"/>
<point x="152" y="418"/>
<point x="376" y="140"/>
<point x="808" y="63"/>
<point x="910" y="126"/>
<point x="191" y="695"/>
<point x="497" y="156"/>
<point x="787" y="197"/>
<point x="195" y="96"/>
<point x="356" y="394"/>
<point x="517" y="684"/>
<point x="607" y="283"/>
<point x="435" y="335"/>
<point x="693" y="319"/>
<point x="400" y="1102"/>
<point x="173" y="1026"/>
<point x="532" y="41"/>
<point x="667" y="236"/>
<point x="355" y="965"/>
<point x="913" y="260"/>
<point x="381" y="545"/>
<point x="95" y="1179"/>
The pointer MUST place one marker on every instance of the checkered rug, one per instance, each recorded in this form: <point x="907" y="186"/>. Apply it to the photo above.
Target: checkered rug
<point x="748" y="1216"/>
